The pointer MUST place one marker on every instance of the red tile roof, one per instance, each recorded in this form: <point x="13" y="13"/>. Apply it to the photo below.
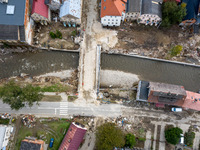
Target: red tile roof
<point x="190" y="102"/>
<point x="40" y="8"/>
<point x="73" y="138"/>
<point x="112" y="7"/>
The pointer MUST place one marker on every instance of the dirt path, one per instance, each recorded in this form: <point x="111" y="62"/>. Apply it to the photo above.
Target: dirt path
<point x="147" y="144"/>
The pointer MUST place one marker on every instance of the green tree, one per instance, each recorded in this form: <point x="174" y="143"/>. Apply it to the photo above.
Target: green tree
<point x="16" y="97"/>
<point x="109" y="136"/>
<point x="173" y="135"/>
<point x="130" y="140"/>
<point x="172" y="13"/>
<point x="189" y="138"/>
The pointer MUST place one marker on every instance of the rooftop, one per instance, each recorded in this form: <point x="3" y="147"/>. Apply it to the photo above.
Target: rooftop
<point x="192" y="101"/>
<point x="113" y="7"/>
<point x="143" y="90"/>
<point x="133" y="6"/>
<point x="40" y="8"/>
<point x="12" y="13"/>
<point x="2" y="134"/>
<point x="73" y="138"/>
<point x="167" y="88"/>
<point x="151" y="7"/>
<point x="32" y="145"/>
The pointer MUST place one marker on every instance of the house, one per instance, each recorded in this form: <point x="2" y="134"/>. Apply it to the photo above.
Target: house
<point x="133" y="9"/>
<point x="70" y="11"/>
<point x="15" y="24"/>
<point x="53" y="4"/>
<point x="32" y="144"/>
<point x="40" y="11"/>
<point x="5" y="133"/>
<point x="167" y="94"/>
<point x="74" y="137"/>
<point x="112" y="12"/>
<point x="151" y="12"/>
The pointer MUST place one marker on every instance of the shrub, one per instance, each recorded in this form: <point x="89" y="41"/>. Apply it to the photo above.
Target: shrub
<point x="52" y="35"/>
<point x="58" y="34"/>
<point x="109" y="136"/>
<point x="189" y="138"/>
<point x="130" y="140"/>
<point x="74" y="33"/>
<point x="172" y="135"/>
<point x="176" y="50"/>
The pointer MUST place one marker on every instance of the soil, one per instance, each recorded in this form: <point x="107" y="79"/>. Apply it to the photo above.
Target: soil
<point x="43" y="39"/>
<point x="153" y="42"/>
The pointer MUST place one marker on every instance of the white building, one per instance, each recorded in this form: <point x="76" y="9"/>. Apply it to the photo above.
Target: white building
<point x="112" y="12"/>
<point x="5" y="132"/>
<point x="70" y="11"/>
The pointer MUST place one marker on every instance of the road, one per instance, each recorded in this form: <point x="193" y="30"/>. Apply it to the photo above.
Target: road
<point x="65" y="109"/>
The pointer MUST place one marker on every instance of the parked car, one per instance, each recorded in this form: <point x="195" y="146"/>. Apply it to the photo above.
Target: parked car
<point x="51" y="142"/>
<point x="176" y="109"/>
<point x="182" y="139"/>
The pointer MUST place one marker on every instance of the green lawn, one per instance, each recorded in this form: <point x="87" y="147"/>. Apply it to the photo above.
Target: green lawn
<point x="4" y="121"/>
<point x="46" y="131"/>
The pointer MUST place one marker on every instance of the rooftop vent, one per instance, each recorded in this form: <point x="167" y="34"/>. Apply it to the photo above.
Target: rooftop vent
<point x="10" y="9"/>
<point x="3" y="1"/>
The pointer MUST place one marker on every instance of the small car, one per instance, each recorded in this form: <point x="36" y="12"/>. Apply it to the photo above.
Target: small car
<point x="176" y="109"/>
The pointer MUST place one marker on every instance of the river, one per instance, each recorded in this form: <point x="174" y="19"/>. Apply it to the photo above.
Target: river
<point x="150" y="70"/>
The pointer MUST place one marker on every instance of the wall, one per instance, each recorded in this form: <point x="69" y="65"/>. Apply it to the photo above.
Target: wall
<point x="153" y="19"/>
<point x="111" y="20"/>
<point x="132" y="15"/>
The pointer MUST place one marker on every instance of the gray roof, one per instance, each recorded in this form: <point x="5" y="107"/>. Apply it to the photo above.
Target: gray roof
<point x="29" y="146"/>
<point x="46" y="2"/>
<point x="143" y="91"/>
<point x="14" y="19"/>
<point x="10" y="32"/>
<point x="133" y="6"/>
<point x="167" y="88"/>
<point x="151" y="7"/>
<point x="2" y="134"/>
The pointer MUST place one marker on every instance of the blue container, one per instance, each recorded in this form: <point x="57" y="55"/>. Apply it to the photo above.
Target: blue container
<point x="51" y="143"/>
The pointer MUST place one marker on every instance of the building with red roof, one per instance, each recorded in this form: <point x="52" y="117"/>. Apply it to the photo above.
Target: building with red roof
<point x="40" y="11"/>
<point x="112" y="12"/>
<point x="74" y="137"/>
<point x="167" y="94"/>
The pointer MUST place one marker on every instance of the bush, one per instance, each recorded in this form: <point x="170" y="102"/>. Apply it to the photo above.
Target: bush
<point x="74" y="33"/>
<point x="176" y="50"/>
<point x="172" y="135"/>
<point x="52" y="35"/>
<point x="189" y="138"/>
<point x="58" y="34"/>
<point x="109" y="136"/>
<point x="130" y="140"/>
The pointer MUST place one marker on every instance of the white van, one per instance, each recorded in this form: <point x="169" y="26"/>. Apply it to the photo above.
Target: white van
<point x="182" y="139"/>
<point x="176" y="109"/>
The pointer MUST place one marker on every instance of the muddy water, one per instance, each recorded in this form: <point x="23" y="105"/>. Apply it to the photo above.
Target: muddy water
<point x="49" y="61"/>
<point x="37" y="63"/>
<point x="157" y="71"/>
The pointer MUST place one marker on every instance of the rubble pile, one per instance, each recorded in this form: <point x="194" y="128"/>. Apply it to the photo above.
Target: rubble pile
<point x="29" y="121"/>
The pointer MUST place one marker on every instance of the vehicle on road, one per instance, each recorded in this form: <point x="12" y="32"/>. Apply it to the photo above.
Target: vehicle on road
<point x="174" y="109"/>
<point x="51" y="142"/>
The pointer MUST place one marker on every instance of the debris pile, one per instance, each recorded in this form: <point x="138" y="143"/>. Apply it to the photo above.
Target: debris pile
<point x="5" y="116"/>
<point x="29" y="121"/>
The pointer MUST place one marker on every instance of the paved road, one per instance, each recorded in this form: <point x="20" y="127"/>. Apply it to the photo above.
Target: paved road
<point x="65" y="109"/>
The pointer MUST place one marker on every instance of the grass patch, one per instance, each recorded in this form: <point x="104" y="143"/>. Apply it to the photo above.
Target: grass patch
<point x="55" y="88"/>
<point x="72" y="98"/>
<point x="4" y="121"/>
<point x="45" y="131"/>
<point x="52" y="98"/>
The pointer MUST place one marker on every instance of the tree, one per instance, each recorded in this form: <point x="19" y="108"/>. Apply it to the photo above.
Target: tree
<point x="109" y="136"/>
<point x="176" y="50"/>
<point x="173" y="135"/>
<point x="172" y="13"/>
<point x="16" y="97"/>
<point x="189" y="138"/>
<point x="130" y="140"/>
